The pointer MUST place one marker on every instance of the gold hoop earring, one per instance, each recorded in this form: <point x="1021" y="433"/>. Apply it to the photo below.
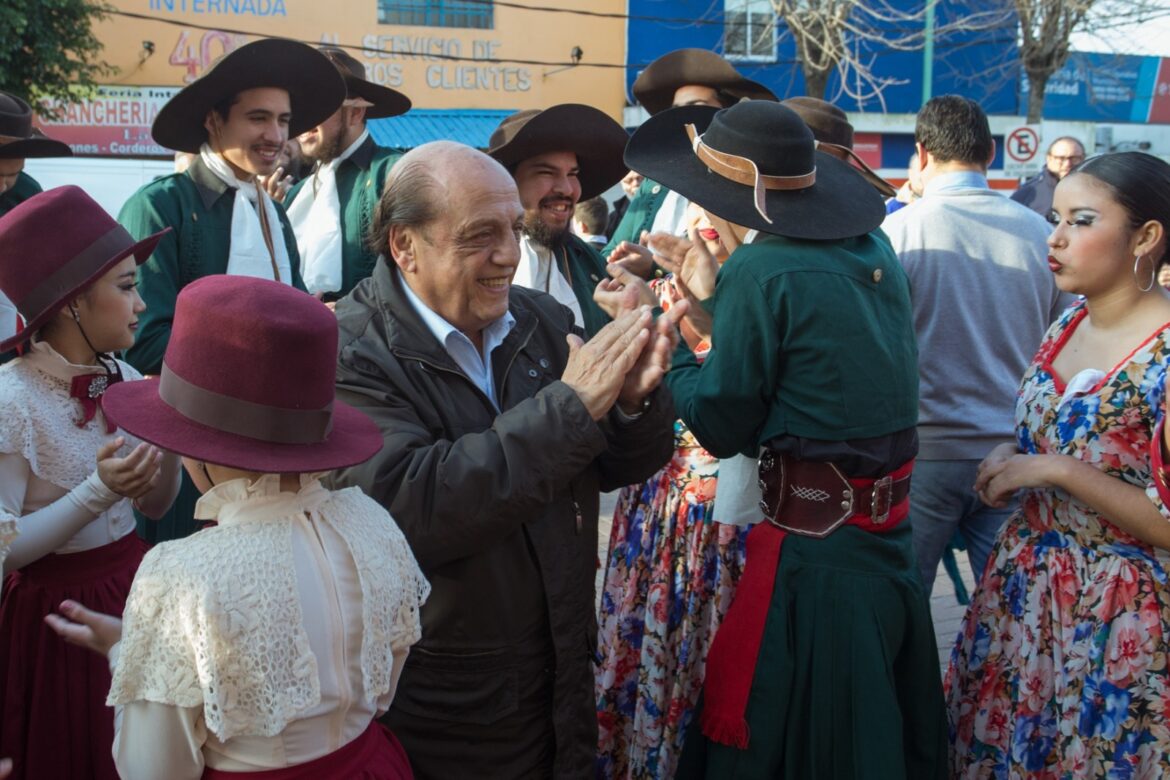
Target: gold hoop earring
<point x="1137" y="259"/>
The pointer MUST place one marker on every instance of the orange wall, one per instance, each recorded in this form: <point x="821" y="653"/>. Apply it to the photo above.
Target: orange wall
<point x="403" y="54"/>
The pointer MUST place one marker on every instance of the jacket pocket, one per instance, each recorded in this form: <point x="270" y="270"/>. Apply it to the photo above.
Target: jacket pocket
<point x="477" y="688"/>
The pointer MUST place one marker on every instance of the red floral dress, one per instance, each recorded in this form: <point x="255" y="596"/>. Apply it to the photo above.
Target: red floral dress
<point x="1060" y="670"/>
<point x="670" y="576"/>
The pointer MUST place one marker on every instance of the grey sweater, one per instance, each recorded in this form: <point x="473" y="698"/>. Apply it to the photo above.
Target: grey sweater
<point x="983" y="297"/>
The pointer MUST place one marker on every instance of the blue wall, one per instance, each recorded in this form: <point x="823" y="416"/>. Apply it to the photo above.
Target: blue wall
<point x="961" y="62"/>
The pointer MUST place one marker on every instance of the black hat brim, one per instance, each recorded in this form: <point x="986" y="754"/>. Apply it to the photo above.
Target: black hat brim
<point x="314" y="86"/>
<point x="34" y="148"/>
<point x="840" y="204"/>
<point x="387" y="102"/>
<point x="598" y="141"/>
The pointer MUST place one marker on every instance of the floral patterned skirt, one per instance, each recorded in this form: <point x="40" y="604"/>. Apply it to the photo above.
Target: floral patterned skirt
<point x="1060" y="670"/>
<point x="670" y="576"/>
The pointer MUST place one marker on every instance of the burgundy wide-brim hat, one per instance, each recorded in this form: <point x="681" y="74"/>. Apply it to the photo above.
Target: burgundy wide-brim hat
<point x="756" y="164"/>
<point x="315" y="90"/>
<point x="591" y="134"/>
<point x="380" y="101"/>
<point x="247" y="381"/>
<point x="56" y="244"/>
<point x="655" y="86"/>
<point x="19" y="140"/>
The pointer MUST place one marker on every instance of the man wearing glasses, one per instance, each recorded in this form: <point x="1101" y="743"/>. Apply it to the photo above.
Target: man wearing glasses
<point x="1064" y="154"/>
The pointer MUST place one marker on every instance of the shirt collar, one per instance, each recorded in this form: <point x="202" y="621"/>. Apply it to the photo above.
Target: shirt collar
<point x="957" y="180"/>
<point x="444" y="330"/>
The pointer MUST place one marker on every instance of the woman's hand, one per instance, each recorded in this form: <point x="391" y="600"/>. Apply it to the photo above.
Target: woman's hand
<point x="132" y="476"/>
<point x="997" y="456"/>
<point x="998" y="482"/>
<point x="86" y="628"/>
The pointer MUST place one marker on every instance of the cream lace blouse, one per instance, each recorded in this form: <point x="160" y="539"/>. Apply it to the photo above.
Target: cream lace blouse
<point x="267" y="641"/>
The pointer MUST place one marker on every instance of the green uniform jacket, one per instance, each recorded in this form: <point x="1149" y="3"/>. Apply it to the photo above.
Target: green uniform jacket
<point x="585" y="269"/>
<point x="639" y="215"/>
<point x="813" y="339"/>
<point x="24" y="188"/>
<point x="198" y="206"/>
<point x="361" y="177"/>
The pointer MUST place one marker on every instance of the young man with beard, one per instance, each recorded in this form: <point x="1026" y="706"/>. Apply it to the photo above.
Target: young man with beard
<point x="560" y="156"/>
<point x="331" y="211"/>
<point x="235" y="119"/>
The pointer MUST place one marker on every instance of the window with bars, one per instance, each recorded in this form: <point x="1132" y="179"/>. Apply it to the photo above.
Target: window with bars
<point x="749" y="30"/>
<point x="437" y="13"/>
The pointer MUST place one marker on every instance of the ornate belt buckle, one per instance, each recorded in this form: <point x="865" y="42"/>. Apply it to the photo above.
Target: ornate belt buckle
<point x="766" y="463"/>
<point x="879" y="500"/>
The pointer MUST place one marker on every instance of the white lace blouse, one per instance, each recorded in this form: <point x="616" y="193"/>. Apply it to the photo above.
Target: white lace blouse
<point x="267" y="641"/>
<point x="48" y="465"/>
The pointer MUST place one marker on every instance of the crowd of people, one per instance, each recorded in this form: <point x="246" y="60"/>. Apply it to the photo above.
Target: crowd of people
<point x="300" y="474"/>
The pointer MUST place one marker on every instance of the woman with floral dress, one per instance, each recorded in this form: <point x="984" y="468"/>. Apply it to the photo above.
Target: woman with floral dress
<point x="670" y="575"/>
<point x="1060" y="669"/>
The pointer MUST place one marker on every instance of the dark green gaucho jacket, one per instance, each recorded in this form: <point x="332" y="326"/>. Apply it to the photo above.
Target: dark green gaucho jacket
<point x="585" y="269"/>
<point x="361" y="177"/>
<point x="198" y="206"/>
<point x="24" y="188"/>
<point x="639" y="215"/>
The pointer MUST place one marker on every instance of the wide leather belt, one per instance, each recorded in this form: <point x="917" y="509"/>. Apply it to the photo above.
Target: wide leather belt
<point x="814" y="499"/>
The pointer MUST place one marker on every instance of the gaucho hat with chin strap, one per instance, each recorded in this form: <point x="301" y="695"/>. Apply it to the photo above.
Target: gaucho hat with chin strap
<point x="756" y="164"/>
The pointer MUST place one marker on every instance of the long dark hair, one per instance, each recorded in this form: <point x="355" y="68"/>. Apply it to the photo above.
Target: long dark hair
<point x="1141" y="185"/>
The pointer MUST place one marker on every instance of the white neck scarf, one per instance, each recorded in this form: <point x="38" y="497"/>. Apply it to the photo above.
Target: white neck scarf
<point x="537" y="271"/>
<point x="248" y="253"/>
<point x="316" y="221"/>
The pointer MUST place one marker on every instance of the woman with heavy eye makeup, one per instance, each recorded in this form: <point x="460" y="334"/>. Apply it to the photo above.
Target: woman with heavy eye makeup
<point x="1060" y="669"/>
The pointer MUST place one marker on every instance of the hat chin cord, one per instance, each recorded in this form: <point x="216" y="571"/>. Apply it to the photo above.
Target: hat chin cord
<point x="104" y="359"/>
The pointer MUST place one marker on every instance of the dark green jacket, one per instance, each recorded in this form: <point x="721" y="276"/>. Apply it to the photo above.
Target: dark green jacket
<point x="639" y="215"/>
<point x="585" y="269"/>
<point x="24" y="188"/>
<point x="361" y="177"/>
<point x="812" y="339"/>
<point x="198" y="206"/>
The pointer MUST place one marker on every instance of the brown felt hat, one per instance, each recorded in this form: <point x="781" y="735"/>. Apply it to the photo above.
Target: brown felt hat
<point x="655" y="86"/>
<point x="831" y="127"/>
<point x="19" y="140"/>
<point x="379" y="101"/>
<point x="315" y="90"/>
<point x="596" y="139"/>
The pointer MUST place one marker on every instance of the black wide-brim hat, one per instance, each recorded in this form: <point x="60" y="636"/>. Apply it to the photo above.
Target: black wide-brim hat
<point x="804" y="193"/>
<point x="314" y="87"/>
<point x="596" y="139"/>
<point x="19" y="140"/>
<point x="382" y="101"/>
<point x="655" y="86"/>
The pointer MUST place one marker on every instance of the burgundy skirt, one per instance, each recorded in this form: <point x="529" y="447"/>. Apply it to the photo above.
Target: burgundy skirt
<point x="54" y="722"/>
<point x="375" y="755"/>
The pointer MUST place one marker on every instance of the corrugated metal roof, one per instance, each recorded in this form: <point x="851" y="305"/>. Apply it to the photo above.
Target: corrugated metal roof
<point x="466" y="125"/>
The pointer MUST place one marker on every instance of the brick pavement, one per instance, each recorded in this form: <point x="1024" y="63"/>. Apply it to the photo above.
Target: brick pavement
<point x="947" y="612"/>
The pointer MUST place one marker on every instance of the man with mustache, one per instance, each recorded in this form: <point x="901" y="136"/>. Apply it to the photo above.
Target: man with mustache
<point x="560" y="156"/>
<point x="235" y="120"/>
<point x="332" y="210"/>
